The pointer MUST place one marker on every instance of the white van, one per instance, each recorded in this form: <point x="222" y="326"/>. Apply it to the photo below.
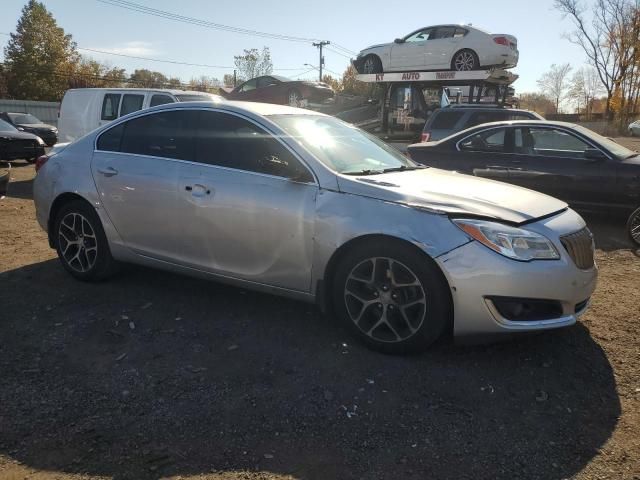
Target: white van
<point x="85" y="109"/>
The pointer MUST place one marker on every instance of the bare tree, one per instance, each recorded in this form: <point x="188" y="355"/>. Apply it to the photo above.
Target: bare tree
<point x="585" y="86"/>
<point x="609" y="40"/>
<point x="253" y="63"/>
<point x="555" y="83"/>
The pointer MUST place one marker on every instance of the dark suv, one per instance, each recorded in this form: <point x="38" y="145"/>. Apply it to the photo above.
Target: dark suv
<point x="455" y="118"/>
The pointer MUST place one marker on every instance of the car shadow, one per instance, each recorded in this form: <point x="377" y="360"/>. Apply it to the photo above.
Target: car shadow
<point x="20" y="189"/>
<point x="152" y="374"/>
<point x="609" y="231"/>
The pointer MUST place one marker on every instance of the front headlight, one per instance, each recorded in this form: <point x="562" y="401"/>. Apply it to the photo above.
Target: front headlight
<point x="512" y="242"/>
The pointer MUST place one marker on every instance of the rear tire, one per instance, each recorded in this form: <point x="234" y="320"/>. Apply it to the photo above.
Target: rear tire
<point x="633" y="227"/>
<point x="81" y="243"/>
<point x="465" y="61"/>
<point x="391" y="297"/>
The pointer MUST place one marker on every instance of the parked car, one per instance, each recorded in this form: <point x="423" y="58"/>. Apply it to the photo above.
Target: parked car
<point x="634" y="128"/>
<point x="25" y="122"/>
<point x="457" y="117"/>
<point x="301" y="204"/>
<point x="85" y="109"/>
<point x="441" y="47"/>
<point x="570" y="162"/>
<point x="280" y="90"/>
<point x="15" y="144"/>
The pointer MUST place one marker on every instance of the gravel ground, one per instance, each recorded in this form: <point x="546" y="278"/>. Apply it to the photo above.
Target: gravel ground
<point x="154" y="375"/>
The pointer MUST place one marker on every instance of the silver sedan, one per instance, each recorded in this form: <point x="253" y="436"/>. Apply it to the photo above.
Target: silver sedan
<point x="300" y="204"/>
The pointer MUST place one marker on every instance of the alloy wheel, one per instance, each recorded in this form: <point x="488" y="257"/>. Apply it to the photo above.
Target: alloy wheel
<point x="464" y="61"/>
<point x="634" y="226"/>
<point x="369" y="65"/>
<point x="385" y="299"/>
<point x="77" y="242"/>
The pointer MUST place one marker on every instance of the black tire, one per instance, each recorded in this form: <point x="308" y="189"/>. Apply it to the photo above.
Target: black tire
<point x="99" y="263"/>
<point x="633" y="227"/>
<point x="465" y="60"/>
<point x="425" y="307"/>
<point x="371" y="64"/>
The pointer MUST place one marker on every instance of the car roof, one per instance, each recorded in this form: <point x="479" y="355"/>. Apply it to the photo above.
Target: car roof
<point x="145" y="90"/>
<point x="458" y="25"/>
<point x="256" y="108"/>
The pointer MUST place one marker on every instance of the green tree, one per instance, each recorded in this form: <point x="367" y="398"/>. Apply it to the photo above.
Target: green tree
<point x="144" y="78"/>
<point x="253" y="64"/>
<point x="90" y="73"/>
<point x="39" y="56"/>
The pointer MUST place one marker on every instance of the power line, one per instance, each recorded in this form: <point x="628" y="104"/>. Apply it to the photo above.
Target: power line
<point x="338" y="53"/>
<point x="175" y="62"/>
<point x="203" y="23"/>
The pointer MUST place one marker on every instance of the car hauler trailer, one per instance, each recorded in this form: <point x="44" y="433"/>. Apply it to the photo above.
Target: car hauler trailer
<point x="410" y="97"/>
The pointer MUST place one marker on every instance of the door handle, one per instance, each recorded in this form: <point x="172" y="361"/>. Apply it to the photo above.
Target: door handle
<point x="198" y="190"/>
<point x="108" y="172"/>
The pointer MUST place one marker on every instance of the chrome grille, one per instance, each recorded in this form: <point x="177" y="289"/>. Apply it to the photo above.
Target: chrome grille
<point x="579" y="246"/>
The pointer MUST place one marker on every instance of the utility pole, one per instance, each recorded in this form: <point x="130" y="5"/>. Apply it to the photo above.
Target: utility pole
<point x="321" y="63"/>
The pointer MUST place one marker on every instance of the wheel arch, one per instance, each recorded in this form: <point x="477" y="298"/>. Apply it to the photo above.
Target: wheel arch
<point x="475" y="54"/>
<point x="59" y="202"/>
<point x="325" y="285"/>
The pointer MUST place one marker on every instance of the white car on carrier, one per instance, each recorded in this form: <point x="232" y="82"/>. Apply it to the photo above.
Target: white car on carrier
<point x="441" y="47"/>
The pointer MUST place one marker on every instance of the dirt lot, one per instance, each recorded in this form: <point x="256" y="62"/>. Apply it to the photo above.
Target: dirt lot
<point x="153" y="375"/>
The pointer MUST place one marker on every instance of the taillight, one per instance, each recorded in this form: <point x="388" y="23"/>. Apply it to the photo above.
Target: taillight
<point x="502" y="41"/>
<point x="41" y="161"/>
<point x="425" y="137"/>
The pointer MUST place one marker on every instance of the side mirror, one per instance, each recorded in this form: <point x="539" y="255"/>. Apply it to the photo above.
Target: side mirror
<point x="594" y="154"/>
<point x="398" y="40"/>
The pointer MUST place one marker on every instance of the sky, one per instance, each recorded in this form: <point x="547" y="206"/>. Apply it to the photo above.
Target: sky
<point x="353" y="25"/>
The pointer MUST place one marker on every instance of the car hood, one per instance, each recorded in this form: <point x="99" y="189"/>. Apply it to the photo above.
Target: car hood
<point x="36" y="126"/>
<point x="455" y="194"/>
<point x="379" y="45"/>
<point x="17" y="135"/>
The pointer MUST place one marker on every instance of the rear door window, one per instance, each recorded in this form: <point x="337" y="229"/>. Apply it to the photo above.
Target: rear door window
<point x="163" y="134"/>
<point x="446" y="120"/>
<point x="110" y="104"/>
<point x="131" y="103"/>
<point x="160" y="99"/>
<point x="110" y="140"/>
<point x="444" y="32"/>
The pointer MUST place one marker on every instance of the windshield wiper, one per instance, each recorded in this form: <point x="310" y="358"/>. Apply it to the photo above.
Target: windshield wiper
<point x="403" y="168"/>
<point x="364" y="172"/>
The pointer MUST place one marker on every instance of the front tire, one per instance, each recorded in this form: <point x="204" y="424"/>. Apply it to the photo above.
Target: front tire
<point x="371" y="64"/>
<point x="81" y="243"/>
<point x="465" y="61"/>
<point x="391" y="297"/>
<point x="633" y="227"/>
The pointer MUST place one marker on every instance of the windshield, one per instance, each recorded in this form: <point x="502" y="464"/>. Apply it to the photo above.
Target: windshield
<point x="341" y="147"/>
<point x="615" y="148"/>
<point x="23" y="118"/>
<point x="6" y="127"/>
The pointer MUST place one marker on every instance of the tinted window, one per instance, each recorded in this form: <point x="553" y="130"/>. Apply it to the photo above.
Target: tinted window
<point x="6" y="127"/>
<point x="110" y="105"/>
<point x="164" y="134"/>
<point x="444" y="32"/>
<point x="460" y="32"/>
<point x="267" y="82"/>
<point x="229" y="141"/>
<point x="486" y="141"/>
<point x="131" y="103"/>
<point x="446" y="120"/>
<point x="478" y="118"/>
<point x="550" y="142"/>
<point x="160" y="100"/>
<point x="247" y="86"/>
<point x="110" y="140"/>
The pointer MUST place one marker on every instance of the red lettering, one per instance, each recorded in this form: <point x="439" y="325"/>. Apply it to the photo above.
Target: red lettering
<point x="445" y="75"/>
<point x="379" y="77"/>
